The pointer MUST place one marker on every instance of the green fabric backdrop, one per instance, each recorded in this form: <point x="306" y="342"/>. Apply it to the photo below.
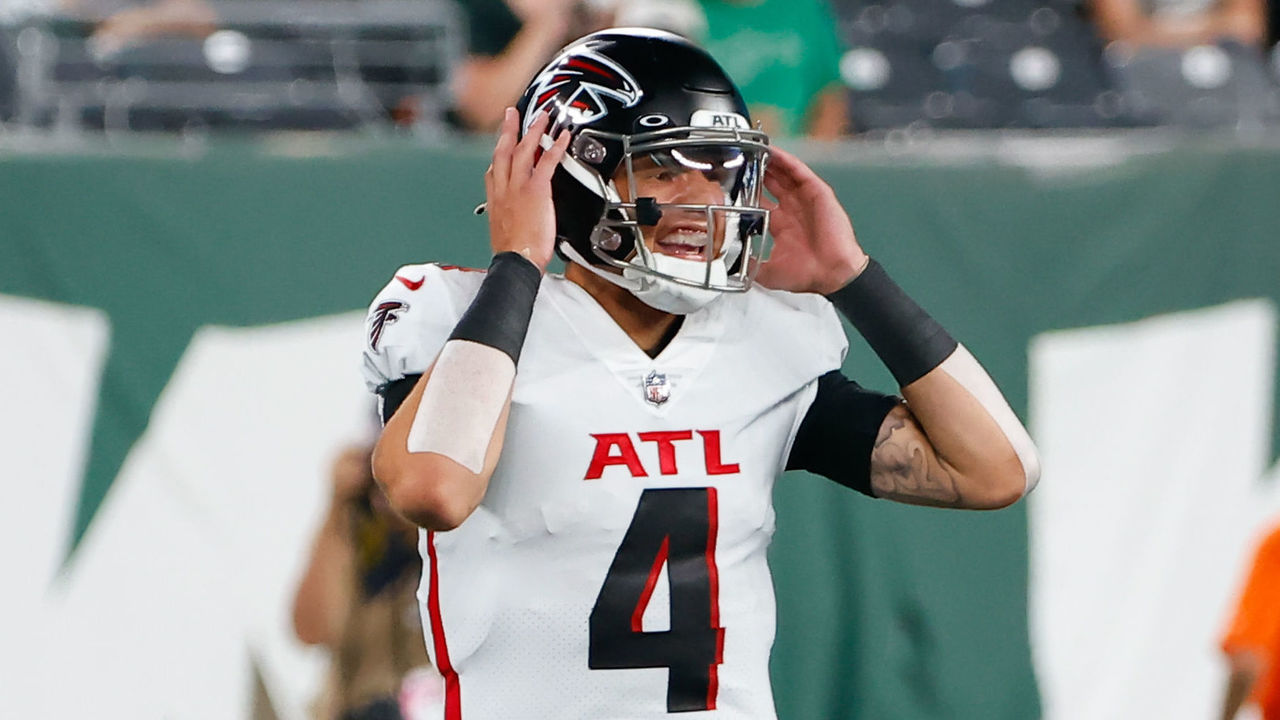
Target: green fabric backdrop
<point x="885" y="612"/>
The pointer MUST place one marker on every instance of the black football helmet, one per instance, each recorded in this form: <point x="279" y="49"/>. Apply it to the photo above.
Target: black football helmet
<point x="631" y="93"/>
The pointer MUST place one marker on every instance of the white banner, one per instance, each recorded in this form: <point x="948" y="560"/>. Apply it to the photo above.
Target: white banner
<point x="1155" y="437"/>
<point x="187" y="574"/>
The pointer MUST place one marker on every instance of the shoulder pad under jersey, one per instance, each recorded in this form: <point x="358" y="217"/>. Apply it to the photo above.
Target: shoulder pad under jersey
<point x="411" y="318"/>
<point x="799" y="330"/>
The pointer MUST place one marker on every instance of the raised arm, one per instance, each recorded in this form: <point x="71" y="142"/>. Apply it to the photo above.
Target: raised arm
<point x="484" y="85"/>
<point x="954" y="442"/>
<point x="437" y="452"/>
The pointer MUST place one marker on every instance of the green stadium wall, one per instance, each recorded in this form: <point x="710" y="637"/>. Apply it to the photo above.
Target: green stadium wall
<point x="885" y="612"/>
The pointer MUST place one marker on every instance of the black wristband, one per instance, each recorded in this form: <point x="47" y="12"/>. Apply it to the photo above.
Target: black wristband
<point x="499" y="314"/>
<point x="908" y="341"/>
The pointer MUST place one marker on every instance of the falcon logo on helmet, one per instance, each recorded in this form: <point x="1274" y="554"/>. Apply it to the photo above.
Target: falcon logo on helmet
<point x="578" y="82"/>
<point x="385" y="314"/>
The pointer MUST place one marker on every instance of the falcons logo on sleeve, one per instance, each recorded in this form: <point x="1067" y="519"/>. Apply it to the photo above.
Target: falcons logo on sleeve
<point x="578" y="83"/>
<point x="383" y="315"/>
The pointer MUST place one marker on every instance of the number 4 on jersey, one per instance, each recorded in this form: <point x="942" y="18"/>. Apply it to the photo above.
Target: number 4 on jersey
<point x="675" y="527"/>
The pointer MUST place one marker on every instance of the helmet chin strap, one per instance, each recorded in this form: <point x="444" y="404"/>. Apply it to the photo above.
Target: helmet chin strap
<point x="627" y="284"/>
<point x="659" y="292"/>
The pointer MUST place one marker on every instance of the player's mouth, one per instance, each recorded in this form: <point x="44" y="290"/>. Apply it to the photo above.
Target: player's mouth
<point x="685" y="241"/>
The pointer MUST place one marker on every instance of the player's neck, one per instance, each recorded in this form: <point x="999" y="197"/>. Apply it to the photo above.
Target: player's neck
<point x="649" y="328"/>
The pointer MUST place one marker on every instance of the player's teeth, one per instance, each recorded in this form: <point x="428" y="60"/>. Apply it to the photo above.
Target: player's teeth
<point x="692" y="239"/>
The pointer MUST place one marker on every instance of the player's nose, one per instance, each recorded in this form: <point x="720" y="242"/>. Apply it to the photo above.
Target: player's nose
<point x="694" y="187"/>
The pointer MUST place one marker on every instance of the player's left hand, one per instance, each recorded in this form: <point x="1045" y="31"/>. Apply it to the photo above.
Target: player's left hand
<point x="814" y="247"/>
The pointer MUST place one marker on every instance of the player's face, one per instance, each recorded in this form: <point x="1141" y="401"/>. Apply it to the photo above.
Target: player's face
<point x="684" y="177"/>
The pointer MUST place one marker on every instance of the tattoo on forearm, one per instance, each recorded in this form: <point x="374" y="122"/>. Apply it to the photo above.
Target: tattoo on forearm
<point x="904" y="469"/>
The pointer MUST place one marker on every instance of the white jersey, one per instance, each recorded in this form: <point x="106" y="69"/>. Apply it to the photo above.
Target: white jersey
<point x="616" y="568"/>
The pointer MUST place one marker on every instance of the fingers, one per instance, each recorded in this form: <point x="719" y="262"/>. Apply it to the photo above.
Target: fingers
<point x="787" y="173"/>
<point x="781" y="221"/>
<point x="517" y="159"/>
<point x="551" y="157"/>
<point x="768" y="273"/>
<point x="525" y="152"/>
<point x="780" y="173"/>
<point x="789" y="165"/>
<point x="776" y="187"/>
<point x="501" y="167"/>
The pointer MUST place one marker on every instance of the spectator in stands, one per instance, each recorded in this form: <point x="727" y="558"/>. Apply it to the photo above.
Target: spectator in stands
<point x="795" y="60"/>
<point x="1195" y="63"/>
<point x="785" y="56"/>
<point x="509" y="41"/>
<point x="1252" y="642"/>
<point x="1182" y="23"/>
<point x="357" y="598"/>
<point x="120" y="23"/>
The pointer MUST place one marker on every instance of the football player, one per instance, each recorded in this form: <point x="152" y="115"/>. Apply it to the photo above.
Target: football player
<point x="591" y="456"/>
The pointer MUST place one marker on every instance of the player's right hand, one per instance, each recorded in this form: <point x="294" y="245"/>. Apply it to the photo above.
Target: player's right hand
<point x="517" y="186"/>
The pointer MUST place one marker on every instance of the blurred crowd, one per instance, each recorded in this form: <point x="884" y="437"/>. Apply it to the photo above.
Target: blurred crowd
<point x="357" y="599"/>
<point x="818" y="68"/>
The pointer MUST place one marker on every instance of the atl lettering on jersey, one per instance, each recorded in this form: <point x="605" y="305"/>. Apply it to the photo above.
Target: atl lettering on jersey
<point x="619" y="449"/>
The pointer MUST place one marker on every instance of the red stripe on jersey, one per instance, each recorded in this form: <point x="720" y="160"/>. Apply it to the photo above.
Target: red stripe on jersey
<point x="637" y="615"/>
<point x="452" y="691"/>
<point x="713" y="574"/>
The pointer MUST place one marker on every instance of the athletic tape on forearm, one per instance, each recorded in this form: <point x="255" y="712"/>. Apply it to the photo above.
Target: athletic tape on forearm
<point x="909" y="342"/>
<point x="499" y="314"/>
<point x="462" y="402"/>
<point x="476" y="369"/>
<point x="966" y="370"/>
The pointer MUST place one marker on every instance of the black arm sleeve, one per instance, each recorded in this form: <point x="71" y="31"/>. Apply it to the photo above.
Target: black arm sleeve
<point x="394" y="393"/>
<point x="837" y="435"/>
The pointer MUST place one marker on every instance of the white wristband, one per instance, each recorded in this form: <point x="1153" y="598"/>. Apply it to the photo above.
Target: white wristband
<point x="965" y="369"/>
<point x="461" y="404"/>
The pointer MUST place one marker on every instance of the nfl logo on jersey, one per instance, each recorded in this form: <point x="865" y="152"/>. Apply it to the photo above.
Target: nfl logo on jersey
<point x="656" y="389"/>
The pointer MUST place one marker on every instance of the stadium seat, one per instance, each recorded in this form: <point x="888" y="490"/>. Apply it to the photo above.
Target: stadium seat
<point x="1041" y="79"/>
<point x="1202" y="87"/>
<point x="271" y="65"/>
<point x="891" y="82"/>
<point x="8" y="75"/>
<point x="975" y="64"/>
